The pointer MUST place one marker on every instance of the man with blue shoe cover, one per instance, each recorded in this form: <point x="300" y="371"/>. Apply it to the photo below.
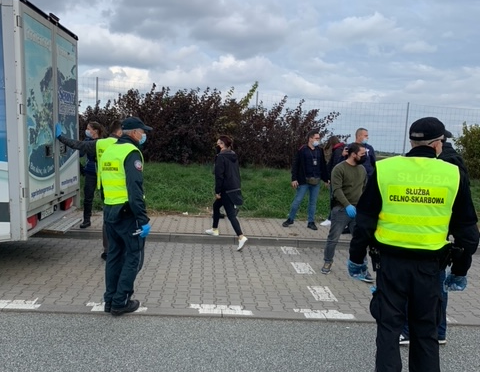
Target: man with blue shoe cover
<point x="409" y="207"/>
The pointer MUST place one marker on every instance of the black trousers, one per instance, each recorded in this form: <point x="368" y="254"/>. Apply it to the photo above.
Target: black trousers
<point x="229" y="210"/>
<point x="124" y="261"/>
<point x="401" y="281"/>
<point x="88" y="194"/>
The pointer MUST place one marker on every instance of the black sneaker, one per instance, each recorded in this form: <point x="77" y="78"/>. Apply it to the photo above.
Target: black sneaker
<point x="108" y="307"/>
<point x="311" y="225"/>
<point x="132" y="306"/>
<point x="287" y="223"/>
<point x="85" y="224"/>
<point x="404" y="340"/>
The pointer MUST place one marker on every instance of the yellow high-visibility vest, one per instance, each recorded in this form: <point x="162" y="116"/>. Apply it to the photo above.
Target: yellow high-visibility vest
<point x="417" y="198"/>
<point x="100" y="146"/>
<point x="113" y="177"/>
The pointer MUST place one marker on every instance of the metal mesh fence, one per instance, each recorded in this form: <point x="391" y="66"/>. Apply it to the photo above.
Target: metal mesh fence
<point x="387" y="123"/>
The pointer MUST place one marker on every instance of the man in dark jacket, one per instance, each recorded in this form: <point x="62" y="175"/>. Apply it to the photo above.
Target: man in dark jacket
<point x="308" y="169"/>
<point x="125" y="215"/>
<point x="410" y="206"/>
<point x="449" y="154"/>
<point x="361" y="137"/>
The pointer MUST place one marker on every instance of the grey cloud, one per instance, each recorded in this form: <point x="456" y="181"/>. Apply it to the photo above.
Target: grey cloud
<point x="236" y="28"/>
<point x="243" y="35"/>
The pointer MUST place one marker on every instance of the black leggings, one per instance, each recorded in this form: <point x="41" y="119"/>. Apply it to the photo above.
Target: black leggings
<point x="229" y="210"/>
<point x="88" y="194"/>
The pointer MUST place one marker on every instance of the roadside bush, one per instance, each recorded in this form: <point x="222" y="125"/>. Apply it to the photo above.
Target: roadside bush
<point x="186" y="125"/>
<point x="468" y="145"/>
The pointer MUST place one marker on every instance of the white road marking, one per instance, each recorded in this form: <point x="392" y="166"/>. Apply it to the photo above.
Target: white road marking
<point x="19" y="304"/>
<point x="323" y="314"/>
<point x="220" y="309"/>
<point x="289" y="250"/>
<point x="302" y="268"/>
<point x="451" y="320"/>
<point x="99" y="306"/>
<point x="322" y="294"/>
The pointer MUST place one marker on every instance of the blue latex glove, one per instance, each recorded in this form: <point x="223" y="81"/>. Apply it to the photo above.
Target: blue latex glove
<point x="455" y="283"/>
<point x="145" y="230"/>
<point x="351" y="211"/>
<point x="354" y="270"/>
<point x="58" y="130"/>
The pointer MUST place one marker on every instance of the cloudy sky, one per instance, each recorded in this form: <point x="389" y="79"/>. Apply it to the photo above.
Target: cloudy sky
<point x="422" y="51"/>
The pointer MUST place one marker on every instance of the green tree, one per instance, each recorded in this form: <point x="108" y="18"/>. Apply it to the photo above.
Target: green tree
<point x="468" y="145"/>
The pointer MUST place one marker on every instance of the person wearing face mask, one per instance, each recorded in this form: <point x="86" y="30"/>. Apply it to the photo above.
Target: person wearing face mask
<point x="125" y="215"/>
<point x="347" y="182"/>
<point x="308" y="169"/>
<point x="361" y="137"/>
<point x="227" y="189"/>
<point x="93" y="150"/>
<point x="410" y="206"/>
<point x="93" y="132"/>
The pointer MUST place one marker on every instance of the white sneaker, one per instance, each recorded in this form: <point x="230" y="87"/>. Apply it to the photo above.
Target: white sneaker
<point x="241" y="243"/>
<point x="326" y="223"/>
<point x="213" y="232"/>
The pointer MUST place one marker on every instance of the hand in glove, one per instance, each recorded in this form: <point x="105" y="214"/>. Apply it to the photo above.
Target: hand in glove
<point x="351" y="211"/>
<point x="145" y="230"/>
<point x="455" y="283"/>
<point x="58" y="130"/>
<point x="356" y="270"/>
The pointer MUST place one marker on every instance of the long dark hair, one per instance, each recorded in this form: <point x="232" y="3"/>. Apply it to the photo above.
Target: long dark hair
<point x="228" y="141"/>
<point x="102" y="133"/>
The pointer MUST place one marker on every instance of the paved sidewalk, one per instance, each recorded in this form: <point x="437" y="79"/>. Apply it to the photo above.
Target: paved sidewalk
<point x="276" y="276"/>
<point x="188" y="229"/>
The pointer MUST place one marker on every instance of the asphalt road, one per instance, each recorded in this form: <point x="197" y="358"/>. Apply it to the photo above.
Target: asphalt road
<point x="98" y="342"/>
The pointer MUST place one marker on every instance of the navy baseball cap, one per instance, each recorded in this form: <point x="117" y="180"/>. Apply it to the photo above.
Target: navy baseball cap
<point x="134" y="123"/>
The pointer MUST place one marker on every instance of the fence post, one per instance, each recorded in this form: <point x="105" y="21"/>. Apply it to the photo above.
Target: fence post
<point x="406" y="129"/>
<point x="96" y="91"/>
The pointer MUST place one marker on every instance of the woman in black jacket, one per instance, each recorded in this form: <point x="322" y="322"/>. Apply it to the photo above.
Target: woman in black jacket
<point x="227" y="189"/>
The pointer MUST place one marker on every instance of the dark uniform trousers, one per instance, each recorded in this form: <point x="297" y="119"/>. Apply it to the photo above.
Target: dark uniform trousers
<point x="401" y="280"/>
<point x="124" y="260"/>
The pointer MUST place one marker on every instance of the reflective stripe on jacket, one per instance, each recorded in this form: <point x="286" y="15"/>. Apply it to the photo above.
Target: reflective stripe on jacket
<point x="417" y="199"/>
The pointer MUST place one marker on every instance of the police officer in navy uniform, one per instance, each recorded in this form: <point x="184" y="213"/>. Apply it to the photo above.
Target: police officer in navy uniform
<point x="409" y="207"/>
<point x="125" y="215"/>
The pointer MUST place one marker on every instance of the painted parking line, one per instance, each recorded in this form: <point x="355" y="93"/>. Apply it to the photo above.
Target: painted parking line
<point x="19" y="304"/>
<point x="323" y="314"/>
<point x="451" y="320"/>
<point x="289" y="250"/>
<point x="220" y="309"/>
<point x="99" y="306"/>
<point x="322" y="294"/>
<point x="302" y="268"/>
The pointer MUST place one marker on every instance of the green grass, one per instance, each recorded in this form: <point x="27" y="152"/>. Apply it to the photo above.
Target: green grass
<point x="175" y="189"/>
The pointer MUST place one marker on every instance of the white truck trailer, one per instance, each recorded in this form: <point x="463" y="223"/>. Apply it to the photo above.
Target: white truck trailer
<point x="39" y="177"/>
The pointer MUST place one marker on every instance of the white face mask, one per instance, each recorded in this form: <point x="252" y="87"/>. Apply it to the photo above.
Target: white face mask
<point x="316" y="143"/>
<point x="88" y="133"/>
<point x="143" y="139"/>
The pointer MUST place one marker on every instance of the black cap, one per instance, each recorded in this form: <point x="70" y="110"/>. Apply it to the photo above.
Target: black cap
<point x="448" y="134"/>
<point x="425" y="129"/>
<point x="134" y="123"/>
